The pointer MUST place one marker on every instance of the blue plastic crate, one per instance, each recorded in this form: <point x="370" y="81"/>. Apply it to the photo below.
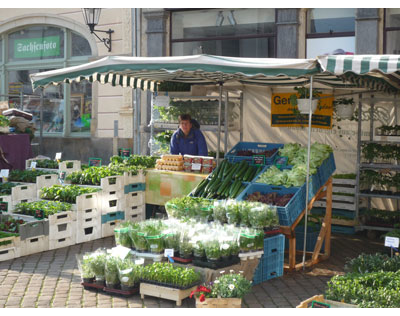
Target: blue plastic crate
<point x="314" y="183"/>
<point x="274" y="244"/>
<point x="326" y="169"/>
<point x="133" y="187"/>
<point x="256" y="148"/>
<point x="348" y="230"/>
<point x="109" y="217"/>
<point x="287" y="214"/>
<point x="268" y="268"/>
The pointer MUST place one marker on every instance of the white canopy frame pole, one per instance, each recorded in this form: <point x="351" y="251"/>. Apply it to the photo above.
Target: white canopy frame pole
<point x="308" y="171"/>
<point x="219" y="122"/>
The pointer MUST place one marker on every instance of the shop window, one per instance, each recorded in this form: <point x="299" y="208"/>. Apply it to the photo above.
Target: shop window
<point x="80" y="46"/>
<point x="41" y="48"/>
<point x="330" y="31"/>
<point x="1" y="51"/>
<point x="225" y="32"/>
<point x="392" y="31"/>
<point x="36" y="43"/>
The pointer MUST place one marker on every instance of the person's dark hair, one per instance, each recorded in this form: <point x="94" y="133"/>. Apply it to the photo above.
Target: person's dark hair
<point x="185" y="117"/>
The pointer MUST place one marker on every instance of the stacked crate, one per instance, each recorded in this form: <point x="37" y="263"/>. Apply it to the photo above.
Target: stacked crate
<point x="88" y="217"/>
<point x="134" y="195"/>
<point x="62" y="229"/>
<point x="34" y="235"/>
<point x="112" y="204"/>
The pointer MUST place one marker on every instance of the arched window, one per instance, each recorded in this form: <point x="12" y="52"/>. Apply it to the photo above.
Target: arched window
<point x="67" y="109"/>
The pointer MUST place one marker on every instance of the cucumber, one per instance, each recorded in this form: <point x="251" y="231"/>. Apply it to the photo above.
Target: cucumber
<point x="236" y="190"/>
<point x="242" y="172"/>
<point x="222" y="188"/>
<point x="227" y="168"/>
<point x="228" y="187"/>
<point x="240" y="190"/>
<point x="247" y="173"/>
<point x="215" y="185"/>
<point x="220" y="168"/>
<point x="200" y="187"/>
<point x="233" y="187"/>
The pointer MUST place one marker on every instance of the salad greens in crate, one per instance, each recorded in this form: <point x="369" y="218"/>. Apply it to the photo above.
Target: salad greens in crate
<point x="67" y="193"/>
<point x="41" y="208"/>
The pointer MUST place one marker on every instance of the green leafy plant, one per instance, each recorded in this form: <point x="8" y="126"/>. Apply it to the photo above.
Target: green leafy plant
<point x="4" y="121"/>
<point x="129" y="273"/>
<point x="27" y="175"/>
<point x="212" y="250"/>
<point x="46" y="163"/>
<point x="111" y="270"/>
<point x="41" y="209"/>
<point x="85" y="266"/>
<point x="5" y="188"/>
<point x="4" y="235"/>
<point x="67" y="193"/>
<point x="97" y="264"/>
<point x="9" y="224"/>
<point x="168" y="274"/>
<point x="122" y="235"/>
<point x="230" y="286"/>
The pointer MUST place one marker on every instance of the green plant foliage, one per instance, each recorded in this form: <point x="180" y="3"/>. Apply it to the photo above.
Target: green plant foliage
<point x="111" y="269"/>
<point x="4" y="121"/>
<point x="67" y="193"/>
<point x="10" y="225"/>
<point x="47" y="207"/>
<point x="97" y="264"/>
<point x="5" y="188"/>
<point x="366" y="263"/>
<point x="46" y="163"/>
<point x="230" y="286"/>
<point x="129" y="273"/>
<point x="27" y="175"/>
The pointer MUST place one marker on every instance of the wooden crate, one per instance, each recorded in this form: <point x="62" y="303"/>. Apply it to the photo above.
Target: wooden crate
<point x="320" y="298"/>
<point x="341" y="201"/>
<point x="165" y="292"/>
<point x="219" y="303"/>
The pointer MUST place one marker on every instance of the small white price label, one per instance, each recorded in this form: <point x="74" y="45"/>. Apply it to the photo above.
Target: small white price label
<point x="4" y="173"/>
<point x="196" y="166"/>
<point x="392" y="242"/>
<point x="58" y="156"/>
<point x="168" y="252"/>
<point x="33" y="164"/>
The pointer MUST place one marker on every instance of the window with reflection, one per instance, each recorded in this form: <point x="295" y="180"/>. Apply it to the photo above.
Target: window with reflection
<point x="392" y="31"/>
<point x="225" y="32"/>
<point x="330" y="32"/>
<point x="41" y="48"/>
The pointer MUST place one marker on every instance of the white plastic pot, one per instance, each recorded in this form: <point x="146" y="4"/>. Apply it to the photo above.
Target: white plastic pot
<point x="304" y="105"/>
<point x="345" y="111"/>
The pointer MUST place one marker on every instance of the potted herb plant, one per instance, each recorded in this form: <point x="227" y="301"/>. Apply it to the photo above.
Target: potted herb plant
<point x="302" y="99"/>
<point x="344" y="107"/>
<point x="122" y="235"/>
<point x="227" y="291"/>
<point x="199" y="252"/>
<point x="97" y="264"/>
<point x="129" y="274"/>
<point x="111" y="272"/>
<point x="213" y="251"/>
<point x="85" y="266"/>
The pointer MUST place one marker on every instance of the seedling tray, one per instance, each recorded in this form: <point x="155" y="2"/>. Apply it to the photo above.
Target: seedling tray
<point x="122" y="292"/>
<point x="218" y="264"/>
<point x="182" y="260"/>
<point x="92" y="286"/>
<point x="168" y="285"/>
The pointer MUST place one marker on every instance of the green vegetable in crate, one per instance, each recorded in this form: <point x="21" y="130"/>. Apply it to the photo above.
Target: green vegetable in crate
<point x="67" y="193"/>
<point x="27" y="175"/>
<point x="46" y="163"/>
<point x="6" y="188"/>
<point x="41" y="209"/>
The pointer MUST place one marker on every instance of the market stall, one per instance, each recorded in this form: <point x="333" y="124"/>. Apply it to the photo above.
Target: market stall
<point x="145" y="73"/>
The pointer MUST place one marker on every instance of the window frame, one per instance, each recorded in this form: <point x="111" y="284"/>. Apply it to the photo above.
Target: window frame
<point x="386" y="30"/>
<point x="217" y="38"/>
<point x="324" y="35"/>
<point x="6" y="66"/>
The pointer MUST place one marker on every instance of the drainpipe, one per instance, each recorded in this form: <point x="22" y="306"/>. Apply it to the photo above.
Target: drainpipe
<point x="136" y="38"/>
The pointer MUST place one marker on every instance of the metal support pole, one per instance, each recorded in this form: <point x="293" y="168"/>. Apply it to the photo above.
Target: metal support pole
<point x="358" y="155"/>
<point x="219" y="122"/>
<point x="151" y="141"/>
<point x="41" y="122"/>
<point x="241" y="117"/>
<point x="308" y="173"/>
<point x="226" y="122"/>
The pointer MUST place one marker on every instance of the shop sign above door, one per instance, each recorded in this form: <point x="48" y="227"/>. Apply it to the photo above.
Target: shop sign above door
<point x="37" y="47"/>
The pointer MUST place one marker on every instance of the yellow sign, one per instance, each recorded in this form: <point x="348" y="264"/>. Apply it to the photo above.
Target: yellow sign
<point x="282" y="112"/>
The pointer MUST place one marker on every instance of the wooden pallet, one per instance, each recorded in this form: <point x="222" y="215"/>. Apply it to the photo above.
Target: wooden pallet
<point x="165" y="292"/>
<point x="320" y="298"/>
<point x="219" y="303"/>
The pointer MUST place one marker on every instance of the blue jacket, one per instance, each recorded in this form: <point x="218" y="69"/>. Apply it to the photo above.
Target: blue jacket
<point x="194" y="144"/>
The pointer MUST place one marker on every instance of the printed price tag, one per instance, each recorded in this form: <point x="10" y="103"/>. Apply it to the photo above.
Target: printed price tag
<point x="168" y="252"/>
<point x="95" y="162"/>
<point x="33" y="165"/>
<point x="3" y="207"/>
<point x="4" y="173"/>
<point x="58" y="156"/>
<point x="139" y="261"/>
<point x="196" y="166"/>
<point x="259" y="160"/>
<point x="392" y="242"/>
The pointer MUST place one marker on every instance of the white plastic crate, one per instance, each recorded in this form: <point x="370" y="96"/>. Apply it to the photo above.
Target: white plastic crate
<point x="135" y="213"/>
<point x="12" y="250"/>
<point x="61" y="242"/>
<point x="88" y="233"/>
<point x="112" y="183"/>
<point x="88" y="214"/>
<point x="111" y="202"/>
<point x="107" y="229"/>
<point x="129" y="178"/>
<point x="24" y="193"/>
<point x="46" y="180"/>
<point x="135" y="198"/>
<point x="62" y="230"/>
<point x="29" y="161"/>
<point x="87" y="201"/>
<point x="34" y="245"/>
<point x="62" y="217"/>
<point x="76" y="166"/>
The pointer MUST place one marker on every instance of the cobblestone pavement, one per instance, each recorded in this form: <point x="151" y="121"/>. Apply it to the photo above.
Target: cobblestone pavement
<point x="52" y="279"/>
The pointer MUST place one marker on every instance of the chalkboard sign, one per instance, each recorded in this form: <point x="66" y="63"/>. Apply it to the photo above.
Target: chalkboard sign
<point x="94" y="162"/>
<point x="39" y="214"/>
<point x="258" y="160"/>
<point x="62" y="175"/>
<point x="3" y="207"/>
<point x="316" y="304"/>
<point x="124" y="152"/>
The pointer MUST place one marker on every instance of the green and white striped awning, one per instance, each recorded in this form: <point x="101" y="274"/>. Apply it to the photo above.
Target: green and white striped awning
<point x="374" y="72"/>
<point x="146" y="72"/>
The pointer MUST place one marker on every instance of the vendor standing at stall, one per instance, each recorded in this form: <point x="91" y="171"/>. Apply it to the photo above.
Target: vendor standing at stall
<point x="188" y="139"/>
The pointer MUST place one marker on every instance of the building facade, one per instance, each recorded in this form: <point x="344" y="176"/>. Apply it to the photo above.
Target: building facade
<point x="92" y="120"/>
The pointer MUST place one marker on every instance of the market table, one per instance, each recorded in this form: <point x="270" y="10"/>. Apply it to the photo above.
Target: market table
<point x="16" y="149"/>
<point x="162" y="185"/>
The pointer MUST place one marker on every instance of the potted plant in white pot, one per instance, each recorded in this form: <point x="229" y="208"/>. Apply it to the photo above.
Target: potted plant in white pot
<point x="302" y="99"/>
<point x="344" y="108"/>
